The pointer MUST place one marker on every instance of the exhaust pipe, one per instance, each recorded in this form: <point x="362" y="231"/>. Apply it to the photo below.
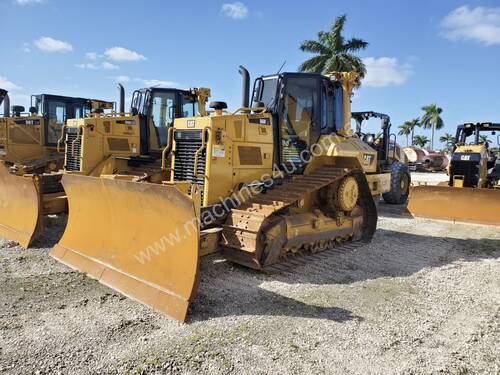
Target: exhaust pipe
<point x="246" y="86"/>
<point x="2" y="95"/>
<point x="6" y="106"/>
<point x="122" y="98"/>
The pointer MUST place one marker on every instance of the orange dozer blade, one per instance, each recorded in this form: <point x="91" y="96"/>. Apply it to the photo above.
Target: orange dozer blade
<point x="20" y="206"/>
<point x="140" y="239"/>
<point x="469" y="205"/>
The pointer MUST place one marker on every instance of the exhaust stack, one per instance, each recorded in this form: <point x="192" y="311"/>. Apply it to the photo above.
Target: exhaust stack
<point x="6" y="105"/>
<point x="121" y="107"/>
<point x="246" y="86"/>
<point x="3" y="93"/>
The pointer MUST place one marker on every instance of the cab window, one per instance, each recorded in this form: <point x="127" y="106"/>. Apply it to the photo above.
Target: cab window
<point x="327" y="108"/>
<point x="300" y="105"/>
<point x="162" y="114"/>
<point x="56" y="119"/>
<point x="188" y="106"/>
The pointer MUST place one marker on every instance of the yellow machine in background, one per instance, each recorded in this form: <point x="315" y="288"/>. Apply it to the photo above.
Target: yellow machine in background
<point x="287" y="176"/>
<point x="28" y="149"/>
<point x="472" y="193"/>
<point x="393" y="159"/>
<point x="116" y="142"/>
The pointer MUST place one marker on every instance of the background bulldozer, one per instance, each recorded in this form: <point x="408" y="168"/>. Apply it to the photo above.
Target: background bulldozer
<point x="284" y="177"/>
<point x="133" y="145"/>
<point x="472" y="193"/>
<point x="28" y="149"/>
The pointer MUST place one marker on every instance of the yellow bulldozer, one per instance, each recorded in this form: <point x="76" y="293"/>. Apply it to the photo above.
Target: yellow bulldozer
<point x="472" y="192"/>
<point x="133" y="144"/>
<point x="282" y="177"/>
<point x="28" y="149"/>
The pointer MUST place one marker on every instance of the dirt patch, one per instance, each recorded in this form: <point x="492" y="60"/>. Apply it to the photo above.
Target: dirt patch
<point x="423" y="297"/>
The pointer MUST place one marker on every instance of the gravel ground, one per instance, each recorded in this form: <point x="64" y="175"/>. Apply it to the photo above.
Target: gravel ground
<point x="423" y="297"/>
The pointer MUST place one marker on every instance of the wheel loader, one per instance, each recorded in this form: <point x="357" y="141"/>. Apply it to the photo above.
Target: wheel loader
<point x="128" y="148"/>
<point x="472" y="192"/>
<point x="28" y="148"/>
<point x="281" y="177"/>
<point x="391" y="157"/>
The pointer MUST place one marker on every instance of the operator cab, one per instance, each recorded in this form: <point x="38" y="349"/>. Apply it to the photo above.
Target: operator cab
<point x="382" y="143"/>
<point x="477" y="134"/>
<point x="304" y="106"/>
<point x="157" y="108"/>
<point x="55" y="110"/>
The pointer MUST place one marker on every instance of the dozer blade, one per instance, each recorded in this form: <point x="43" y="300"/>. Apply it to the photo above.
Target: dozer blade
<point x="19" y="207"/>
<point x="469" y="205"/>
<point x="140" y="239"/>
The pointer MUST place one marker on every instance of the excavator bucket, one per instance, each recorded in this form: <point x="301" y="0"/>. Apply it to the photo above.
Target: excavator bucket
<point x="19" y="207"/>
<point x="469" y="205"/>
<point x="141" y="239"/>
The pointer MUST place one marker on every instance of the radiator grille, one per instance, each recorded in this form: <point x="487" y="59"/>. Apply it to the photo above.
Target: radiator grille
<point x="468" y="169"/>
<point x="186" y="145"/>
<point x="73" y="152"/>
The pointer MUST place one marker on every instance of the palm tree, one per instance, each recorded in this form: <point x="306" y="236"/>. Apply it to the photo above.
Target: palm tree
<point x="432" y="119"/>
<point x="448" y="140"/>
<point x="483" y="139"/>
<point x="413" y="124"/>
<point x="420" y="140"/>
<point x="333" y="52"/>
<point x="405" y="129"/>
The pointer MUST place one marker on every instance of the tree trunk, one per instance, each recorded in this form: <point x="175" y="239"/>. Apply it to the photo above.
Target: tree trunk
<point x="432" y="138"/>
<point x="412" y="138"/>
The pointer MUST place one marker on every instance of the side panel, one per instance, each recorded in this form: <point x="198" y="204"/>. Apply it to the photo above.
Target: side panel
<point x="23" y="139"/>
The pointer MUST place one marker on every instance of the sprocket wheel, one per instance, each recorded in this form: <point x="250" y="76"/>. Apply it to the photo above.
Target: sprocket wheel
<point x="347" y="194"/>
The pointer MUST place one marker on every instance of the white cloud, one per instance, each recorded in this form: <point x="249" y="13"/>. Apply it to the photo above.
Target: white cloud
<point x="87" y="66"/>
<point x="122" y="79"/>
<point x="105" y="65"/>
<point x="8" y="85"/>
<point x="235" y="10"/>
<point x="108" y="66"/>
<point x="479" y="24"/>
<point x="92" y="55"/>
<point x="385" y="71"/>
<point x="27" y="2"/>
<point x="157" y="82"/>
<point x="123" y="54"/>
<point x="48" y="44"/>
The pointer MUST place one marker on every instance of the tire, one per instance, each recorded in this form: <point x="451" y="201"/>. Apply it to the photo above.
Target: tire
<point x="400" y="184"/>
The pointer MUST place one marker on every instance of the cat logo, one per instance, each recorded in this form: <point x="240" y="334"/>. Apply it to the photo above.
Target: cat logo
<point x="191" y="123"/>
<point x="367" y="159"/>
<point x="464" y="157"/>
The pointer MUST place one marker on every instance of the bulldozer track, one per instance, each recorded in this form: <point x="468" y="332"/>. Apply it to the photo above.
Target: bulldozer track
<point x="247" y="223"/>
<point x="315" y="261"/>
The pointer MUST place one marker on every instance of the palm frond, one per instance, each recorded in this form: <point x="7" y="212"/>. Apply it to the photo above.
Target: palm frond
<point x="336" y="37"/>
<point x="313" y="46"/>
<point x="354" y="44"/>
<point x="313" y="65"/>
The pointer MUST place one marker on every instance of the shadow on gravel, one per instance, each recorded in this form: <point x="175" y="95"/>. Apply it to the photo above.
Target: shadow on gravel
<point x="393" y="210"/>
<point x="227" y="289"/>
<point x="247" y="297"/>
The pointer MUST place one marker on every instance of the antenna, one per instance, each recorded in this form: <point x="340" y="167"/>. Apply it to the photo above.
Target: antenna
<point x="279" y="71"/>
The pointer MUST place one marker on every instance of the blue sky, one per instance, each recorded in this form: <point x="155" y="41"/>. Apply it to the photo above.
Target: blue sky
<point x="420" y="52"/>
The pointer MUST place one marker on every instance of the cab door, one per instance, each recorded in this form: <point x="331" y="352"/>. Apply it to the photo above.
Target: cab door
<point x="162" y="111"/>
<point x="56" y="115"/>
<point x="299" y="122"/>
